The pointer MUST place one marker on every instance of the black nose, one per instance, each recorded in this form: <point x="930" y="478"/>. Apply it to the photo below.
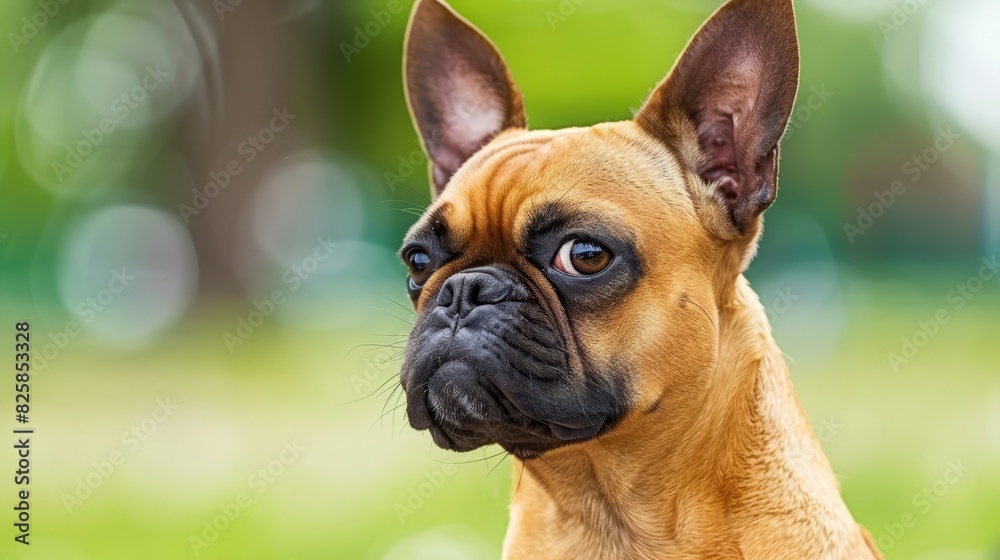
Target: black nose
<point x="463" y="292"/>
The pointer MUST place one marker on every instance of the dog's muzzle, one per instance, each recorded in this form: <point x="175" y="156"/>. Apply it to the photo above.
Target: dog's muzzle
<point x="486" y="364"/>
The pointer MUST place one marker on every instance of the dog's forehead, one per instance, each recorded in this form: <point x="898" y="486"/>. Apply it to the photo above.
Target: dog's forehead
<point x="615" y="169"/>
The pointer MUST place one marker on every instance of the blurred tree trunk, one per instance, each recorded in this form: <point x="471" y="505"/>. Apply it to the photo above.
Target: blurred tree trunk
<point x="257" y="59"/>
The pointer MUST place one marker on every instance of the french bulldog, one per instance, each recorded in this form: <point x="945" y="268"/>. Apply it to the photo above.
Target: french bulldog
<point x="580" y="301"/>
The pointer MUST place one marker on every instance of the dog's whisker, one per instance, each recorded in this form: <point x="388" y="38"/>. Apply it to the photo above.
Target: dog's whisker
<point x="394" y="316"/>
<point x="688" y="299"/>
<point x="542" y="459"/>
<point x="520" y="476"/>
<point x="472" y="461"/>
<point x="406" y="419"/>
<point x="566" y="192"/>
<point x="390" y="395"/>
<point x="389" y="398"/>
<point x="411" y="211"/>
<point x="418" y="193"/>
<point x="401" y="394"/>
<point x="378" y="391"/>
<point x="400" y="305"/>
<point x="376" y="346"/>
<point x="383" y="416"/>
<point x="507" y="454"/>
<point x="408" y="204"/>
<point x="392" y="357"/>
<point x="372" y="346"/>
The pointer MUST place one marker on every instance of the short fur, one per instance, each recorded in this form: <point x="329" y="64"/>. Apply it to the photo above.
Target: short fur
<point x="714" y="457"/>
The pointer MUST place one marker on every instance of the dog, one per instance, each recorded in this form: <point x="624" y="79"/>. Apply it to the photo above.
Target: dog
<point x="580" y="301"/>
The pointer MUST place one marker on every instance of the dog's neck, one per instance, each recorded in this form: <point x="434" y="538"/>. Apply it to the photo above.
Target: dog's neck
<point x="738" y="473"/>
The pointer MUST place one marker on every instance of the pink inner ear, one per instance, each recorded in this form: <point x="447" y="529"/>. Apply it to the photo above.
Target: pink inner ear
<point x="473" y="114"/>
<point x="470" y="118"/>
<point x="718" y="141"/>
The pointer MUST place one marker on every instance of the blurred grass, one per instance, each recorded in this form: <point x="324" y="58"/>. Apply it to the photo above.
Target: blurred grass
<point x="897" y="432"/>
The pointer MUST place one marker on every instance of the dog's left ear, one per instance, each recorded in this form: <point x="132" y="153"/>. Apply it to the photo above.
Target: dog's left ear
<point x="726" y="103"/>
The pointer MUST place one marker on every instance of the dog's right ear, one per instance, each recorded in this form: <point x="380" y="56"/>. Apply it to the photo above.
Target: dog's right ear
<point x="459" y="90"/>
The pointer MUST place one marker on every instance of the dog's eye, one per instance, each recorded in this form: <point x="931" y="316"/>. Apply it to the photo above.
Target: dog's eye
<point x="581" y="258"/>
<point x="419" y="263"/>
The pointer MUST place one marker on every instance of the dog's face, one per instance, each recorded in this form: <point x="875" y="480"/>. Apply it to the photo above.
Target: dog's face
<point x="565" y="281"/>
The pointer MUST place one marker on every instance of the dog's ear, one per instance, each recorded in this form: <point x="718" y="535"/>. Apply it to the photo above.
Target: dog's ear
<point x="726" y="103"/>
<point x="459" y="90"/>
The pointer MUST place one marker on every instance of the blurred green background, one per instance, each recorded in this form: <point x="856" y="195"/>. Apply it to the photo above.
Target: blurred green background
<point x="199" y="205"/>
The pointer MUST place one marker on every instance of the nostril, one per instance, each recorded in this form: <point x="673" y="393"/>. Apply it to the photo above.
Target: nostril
<point x="473" y="293"/>
<point x="484" y="289"/>
<point x="446" y="295"/>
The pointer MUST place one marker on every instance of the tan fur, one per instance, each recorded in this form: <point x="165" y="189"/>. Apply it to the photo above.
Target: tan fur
<point x="715" y="458"/>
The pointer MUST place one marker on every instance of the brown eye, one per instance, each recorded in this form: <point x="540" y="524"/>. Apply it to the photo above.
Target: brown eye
<point x="581" y="258"/>
<point x="419" y="263"/>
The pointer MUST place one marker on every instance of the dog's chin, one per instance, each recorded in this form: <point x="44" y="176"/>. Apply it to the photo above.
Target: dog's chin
<point x="465" y="411"/>
<point x="516" y="439"/>
<point x="461" y="441"/>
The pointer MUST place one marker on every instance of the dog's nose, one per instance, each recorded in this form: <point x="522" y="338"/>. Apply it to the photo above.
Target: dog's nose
<point x="463" y="292"/>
